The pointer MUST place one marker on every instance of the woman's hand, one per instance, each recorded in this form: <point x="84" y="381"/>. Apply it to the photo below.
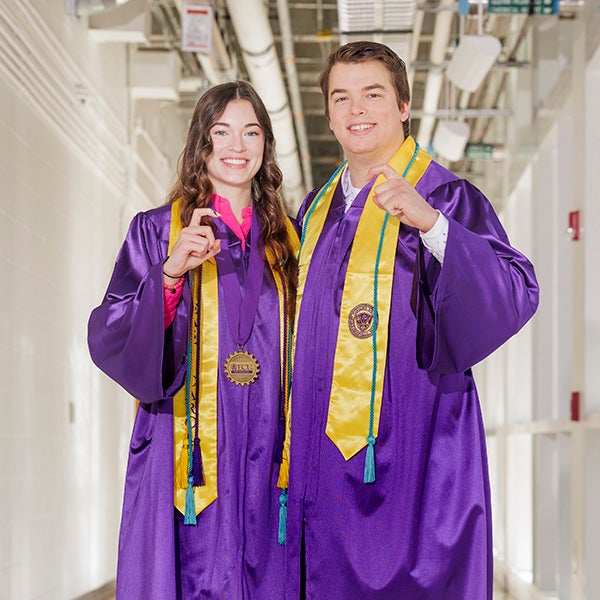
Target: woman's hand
<point x="195" y="244"/>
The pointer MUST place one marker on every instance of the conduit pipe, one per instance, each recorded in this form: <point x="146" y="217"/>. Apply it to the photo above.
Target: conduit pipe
<point x="217" y="66"/>
<point x="289" y="56"/>
<point x="255" y="38"/>
<point x="414" y="46"/>
<point x="435" y="77"/>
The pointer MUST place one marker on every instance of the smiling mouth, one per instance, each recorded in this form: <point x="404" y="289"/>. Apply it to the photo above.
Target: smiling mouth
<point x="235" y="162"/>
<point x="361" y="127"/>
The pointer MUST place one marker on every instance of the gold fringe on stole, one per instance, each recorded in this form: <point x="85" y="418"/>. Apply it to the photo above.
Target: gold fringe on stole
<point x="209" y="366"/>
<point x="349" y="405"/>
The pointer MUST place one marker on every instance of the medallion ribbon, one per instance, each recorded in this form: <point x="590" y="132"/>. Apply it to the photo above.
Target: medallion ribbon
<point x="195" y="404"/>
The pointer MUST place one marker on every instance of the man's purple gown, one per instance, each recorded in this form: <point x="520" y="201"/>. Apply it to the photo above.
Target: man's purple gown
<point x="233" y="552"/>
<point x="422" y="530"/>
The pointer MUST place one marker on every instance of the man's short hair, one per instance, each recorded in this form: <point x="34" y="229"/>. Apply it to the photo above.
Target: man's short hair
<point x="359" y="52"/>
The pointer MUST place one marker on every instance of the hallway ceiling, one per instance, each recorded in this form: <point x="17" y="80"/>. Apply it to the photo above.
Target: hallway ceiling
<point x="424" y="34"/>
<point x="317" y="29"/>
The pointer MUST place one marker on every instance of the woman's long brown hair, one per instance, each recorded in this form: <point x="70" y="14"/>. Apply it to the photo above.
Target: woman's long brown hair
<point x="195" y="189"/>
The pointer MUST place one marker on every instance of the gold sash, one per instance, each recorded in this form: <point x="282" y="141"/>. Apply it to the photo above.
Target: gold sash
<point x="350" y="402"/>
<point x="208" y="360"/>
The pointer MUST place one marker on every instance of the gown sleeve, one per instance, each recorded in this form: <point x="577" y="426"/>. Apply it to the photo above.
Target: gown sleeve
<point x="484" y="293"/>
<point x="126" y="334"/>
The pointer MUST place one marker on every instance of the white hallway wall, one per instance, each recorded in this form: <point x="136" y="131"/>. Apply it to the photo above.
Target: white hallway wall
<point x="69" y="186"/>
<point x="543" y="465"/>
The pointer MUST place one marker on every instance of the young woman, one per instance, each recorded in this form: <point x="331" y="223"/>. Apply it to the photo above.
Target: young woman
<point x="195" y="325"/>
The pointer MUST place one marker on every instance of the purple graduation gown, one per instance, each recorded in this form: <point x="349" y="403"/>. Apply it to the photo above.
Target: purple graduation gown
<point x="233" y="552"/>
<point x="422" y="530"/>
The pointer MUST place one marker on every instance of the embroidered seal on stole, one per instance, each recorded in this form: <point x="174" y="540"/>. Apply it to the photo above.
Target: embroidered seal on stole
<point x="360" y="321"/>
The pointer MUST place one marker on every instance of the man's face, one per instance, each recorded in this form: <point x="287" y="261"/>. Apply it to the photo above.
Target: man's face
<point x="364" y="113"/>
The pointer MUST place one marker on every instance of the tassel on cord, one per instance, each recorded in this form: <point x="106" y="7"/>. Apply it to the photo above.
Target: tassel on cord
<point x="198" y="470"/>
<point x="370" y="461"/>
<point x="190" y="505"/>
<point x="284" y="472"/>
<point x="181" y="470"/>
<point x="281" y="534"/>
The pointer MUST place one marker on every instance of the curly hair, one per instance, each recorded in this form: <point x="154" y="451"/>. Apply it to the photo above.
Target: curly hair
<point x="195" y="188"/>
<point x="359" y="52"/>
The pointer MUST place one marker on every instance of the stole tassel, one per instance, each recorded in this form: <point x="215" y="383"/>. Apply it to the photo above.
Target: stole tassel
<point x="197" y="468"/>
<point x="369" y="476"/>
<point x="190" y="505"/>
<point x="281" y="534"/>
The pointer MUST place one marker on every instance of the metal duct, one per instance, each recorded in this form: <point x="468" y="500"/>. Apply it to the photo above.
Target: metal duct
<point x="389" y="22"/>
<point x="377" y="16"/>
<point x="255" y="38"/>
<point x="88" y="7"/>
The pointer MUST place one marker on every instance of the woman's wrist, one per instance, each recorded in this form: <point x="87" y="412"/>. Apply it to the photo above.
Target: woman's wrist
<point x="170" y="274"/>
<point x="172" y="278"/>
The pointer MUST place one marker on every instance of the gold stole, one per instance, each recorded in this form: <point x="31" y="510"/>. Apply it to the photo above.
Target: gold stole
<point x="349" y="404"/>
<point x="208" y="360"/>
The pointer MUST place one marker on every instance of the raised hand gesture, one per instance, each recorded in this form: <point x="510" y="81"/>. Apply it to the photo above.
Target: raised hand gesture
<point x="399" y="198"/>
<point x="195" y="244"/>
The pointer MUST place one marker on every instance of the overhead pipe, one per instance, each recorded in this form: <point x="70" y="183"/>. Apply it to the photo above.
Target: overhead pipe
<point x="218" y="65"/>
<point x="221" y="51"/>
<point x="215" y="73"/>
<point x="289" y="57"/>
<point x="435" y="77"/>
<point x="171" y="29"/>
<point x="414" y="46"/>
<point x="255" y="38"/>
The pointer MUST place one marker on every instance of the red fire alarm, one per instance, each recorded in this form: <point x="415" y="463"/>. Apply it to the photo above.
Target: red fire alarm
<point x="575" y="416"/>
<point x="573" y="229"/>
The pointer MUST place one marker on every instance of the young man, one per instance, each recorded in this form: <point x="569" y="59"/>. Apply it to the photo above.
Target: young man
<point x="406" y="280"/>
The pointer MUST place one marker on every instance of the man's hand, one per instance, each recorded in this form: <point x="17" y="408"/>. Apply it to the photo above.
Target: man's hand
<point x="401" y="200"/>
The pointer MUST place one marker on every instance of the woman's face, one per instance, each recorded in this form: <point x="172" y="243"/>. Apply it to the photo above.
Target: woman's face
<point x="238" y="144"/>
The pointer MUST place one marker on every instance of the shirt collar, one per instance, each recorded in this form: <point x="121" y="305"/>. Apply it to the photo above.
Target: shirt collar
<point x="350" y="192"/>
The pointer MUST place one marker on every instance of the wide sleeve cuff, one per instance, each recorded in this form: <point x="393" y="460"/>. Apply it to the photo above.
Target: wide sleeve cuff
<point x="436" y="238"/>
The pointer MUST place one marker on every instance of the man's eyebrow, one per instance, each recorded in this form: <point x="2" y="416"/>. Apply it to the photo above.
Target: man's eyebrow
<point x="374" y="86"/>
<point x="337" y="91"/>
<point x="367" y="88"/>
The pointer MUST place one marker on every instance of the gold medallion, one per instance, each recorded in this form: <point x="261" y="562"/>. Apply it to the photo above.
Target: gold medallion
<point x="360" y="321"/>
<point x="241" y="367"/>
